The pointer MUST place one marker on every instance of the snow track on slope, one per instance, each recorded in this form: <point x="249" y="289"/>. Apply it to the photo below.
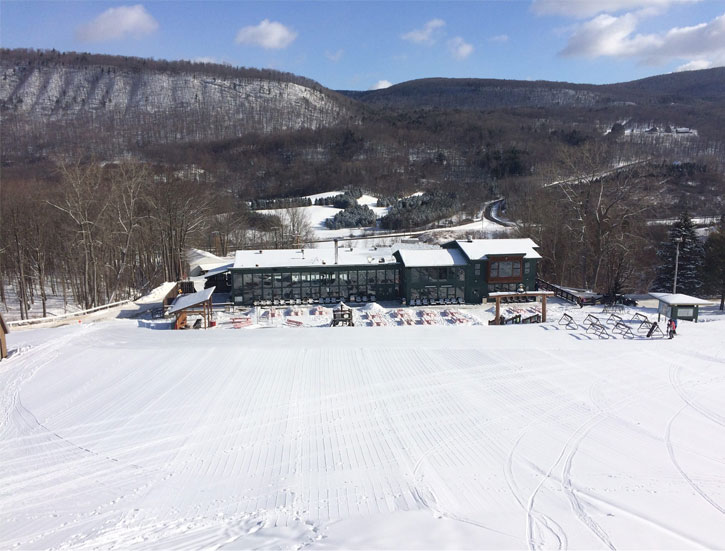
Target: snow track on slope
<point x="119" y="436"/>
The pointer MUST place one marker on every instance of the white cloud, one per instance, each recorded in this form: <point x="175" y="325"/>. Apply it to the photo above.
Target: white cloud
<point x="426" y="35"/>
<point x="117" y="23"/>
<point x="381" y="84"/>
<point x="335" y="56"/>
<point x="587" y="8"/>
<point x="270" y="35"/>
<point x="459" y="48"/>
<point x="694" y="65"/>
<point x="606" y="35"/>
<point x="499" y="38"/>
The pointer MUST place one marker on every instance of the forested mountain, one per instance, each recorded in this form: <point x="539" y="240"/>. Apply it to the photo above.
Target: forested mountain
<point x="113" y="166"/>
<point x="50" y="97"/>
<point x="469" y="93"/>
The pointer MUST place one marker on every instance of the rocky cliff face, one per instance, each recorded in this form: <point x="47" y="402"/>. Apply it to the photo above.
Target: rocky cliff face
<point x="157" y="106"/>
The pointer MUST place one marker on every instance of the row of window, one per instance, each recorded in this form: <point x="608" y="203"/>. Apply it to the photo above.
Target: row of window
<point x="382" y="283"/>
<point x="503" y="269"/>
<point x="432" y="275"/>
<point x="438" y="292"/>
<point x="425" y="282"/>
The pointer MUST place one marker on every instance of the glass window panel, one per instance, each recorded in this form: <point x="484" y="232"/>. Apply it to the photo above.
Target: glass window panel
<point x="505" y="269"/>
<point x="516" y="268"/>
<point x="494" y="269"/>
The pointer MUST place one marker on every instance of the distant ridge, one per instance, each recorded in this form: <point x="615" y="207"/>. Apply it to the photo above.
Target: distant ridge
<point x="144" y="101"/>
<point x="469" y="93"/>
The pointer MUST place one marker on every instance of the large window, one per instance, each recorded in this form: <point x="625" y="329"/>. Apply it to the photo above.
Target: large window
<point x="504" y="269"/>
<point x="384" y="283"/>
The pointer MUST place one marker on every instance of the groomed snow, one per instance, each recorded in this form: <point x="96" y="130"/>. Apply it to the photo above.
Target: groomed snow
<point x="463" y="436"/>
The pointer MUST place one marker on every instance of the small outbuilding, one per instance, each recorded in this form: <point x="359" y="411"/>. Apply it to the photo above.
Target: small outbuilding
<point x="679" y="306"/>
<point x="3" y="343"/>
<point x="192" y="304"/>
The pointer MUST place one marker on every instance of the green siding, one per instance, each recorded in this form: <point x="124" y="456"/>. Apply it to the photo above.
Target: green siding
<point x="385" y="281"/>
<point x="447" y="282"/>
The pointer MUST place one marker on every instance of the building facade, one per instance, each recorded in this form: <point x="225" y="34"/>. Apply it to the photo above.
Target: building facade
<point x="460" y="271"/>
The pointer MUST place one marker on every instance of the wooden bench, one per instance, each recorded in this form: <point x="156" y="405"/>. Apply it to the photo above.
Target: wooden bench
<point x="238" y="323"/>
<point x="568" y="322"/>
<point x="623" y="329"/>
<point x="598" y="329"/>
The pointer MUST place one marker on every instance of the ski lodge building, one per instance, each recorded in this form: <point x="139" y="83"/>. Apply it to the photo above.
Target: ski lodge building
<point x="459" y="271"/>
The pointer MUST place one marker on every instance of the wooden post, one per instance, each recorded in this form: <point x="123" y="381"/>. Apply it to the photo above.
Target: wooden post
<point x="498" y="310"/>
<point x="543" y="308"/>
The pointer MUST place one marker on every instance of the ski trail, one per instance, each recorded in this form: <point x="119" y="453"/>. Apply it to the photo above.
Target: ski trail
<point x="677" y="385"/>
<point x="671" y="453"/>
<point x="568" y="488"/>
<point x="533" y="518"/>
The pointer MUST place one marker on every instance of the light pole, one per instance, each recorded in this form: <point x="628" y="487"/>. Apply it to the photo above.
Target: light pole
<point x="677" y="241"/>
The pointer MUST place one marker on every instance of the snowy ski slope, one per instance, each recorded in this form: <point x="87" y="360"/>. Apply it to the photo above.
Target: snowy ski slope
<point x="116" y="436"/>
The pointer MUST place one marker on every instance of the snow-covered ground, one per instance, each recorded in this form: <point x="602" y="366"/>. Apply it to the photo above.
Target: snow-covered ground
<point x="453" y="435"/>
<point x="317" y="215"/>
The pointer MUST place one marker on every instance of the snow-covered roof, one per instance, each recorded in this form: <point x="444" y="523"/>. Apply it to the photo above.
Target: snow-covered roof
<point x="192" y="299"/>
<point x="480" y="249"/>
<point x="434" y="257"/>
<point x="219" y="270"/>
<point x="679" y="299"/>
<point x="279" y="258"/>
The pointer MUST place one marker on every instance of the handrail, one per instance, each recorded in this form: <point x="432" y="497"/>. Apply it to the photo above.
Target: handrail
<point x="33" y="321"/>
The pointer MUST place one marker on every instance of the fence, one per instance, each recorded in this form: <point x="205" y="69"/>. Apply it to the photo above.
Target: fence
<point x="33" y="321"/>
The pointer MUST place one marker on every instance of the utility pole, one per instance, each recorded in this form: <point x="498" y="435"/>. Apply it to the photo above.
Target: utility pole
<point x="677" y="241"/>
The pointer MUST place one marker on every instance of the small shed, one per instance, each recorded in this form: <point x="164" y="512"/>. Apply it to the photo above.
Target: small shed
<point x="195" y="304"/>
<point x="679" y="306"/>
<point x="3" y="343"/>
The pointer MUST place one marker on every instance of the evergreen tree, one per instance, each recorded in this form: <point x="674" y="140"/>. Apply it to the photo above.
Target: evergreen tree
<point x="691" y="257"/>
<point x="714" y="265"/>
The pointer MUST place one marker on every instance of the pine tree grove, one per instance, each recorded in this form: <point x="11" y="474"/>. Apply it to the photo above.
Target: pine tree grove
<point x="691" y="256"/>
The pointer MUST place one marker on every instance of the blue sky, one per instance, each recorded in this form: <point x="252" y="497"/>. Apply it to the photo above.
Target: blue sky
<point x="364" y="44"/>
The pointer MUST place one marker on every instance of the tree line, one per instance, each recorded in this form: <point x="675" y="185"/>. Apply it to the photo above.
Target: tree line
<point x="100" y="232"/>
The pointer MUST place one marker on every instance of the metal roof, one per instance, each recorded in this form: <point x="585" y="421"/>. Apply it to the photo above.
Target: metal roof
<point x="219" y="270"/>
<point x="480" y="249"/>
<point x="417" y="258"/>
<point x="679" y="299"/>
<point x="283" y="258"/>
<point x="192" y="299"/>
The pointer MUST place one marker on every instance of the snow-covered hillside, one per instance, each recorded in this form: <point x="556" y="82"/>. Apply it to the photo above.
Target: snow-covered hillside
<point x="118" y="436"/>
<point x="153" y="105"/>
